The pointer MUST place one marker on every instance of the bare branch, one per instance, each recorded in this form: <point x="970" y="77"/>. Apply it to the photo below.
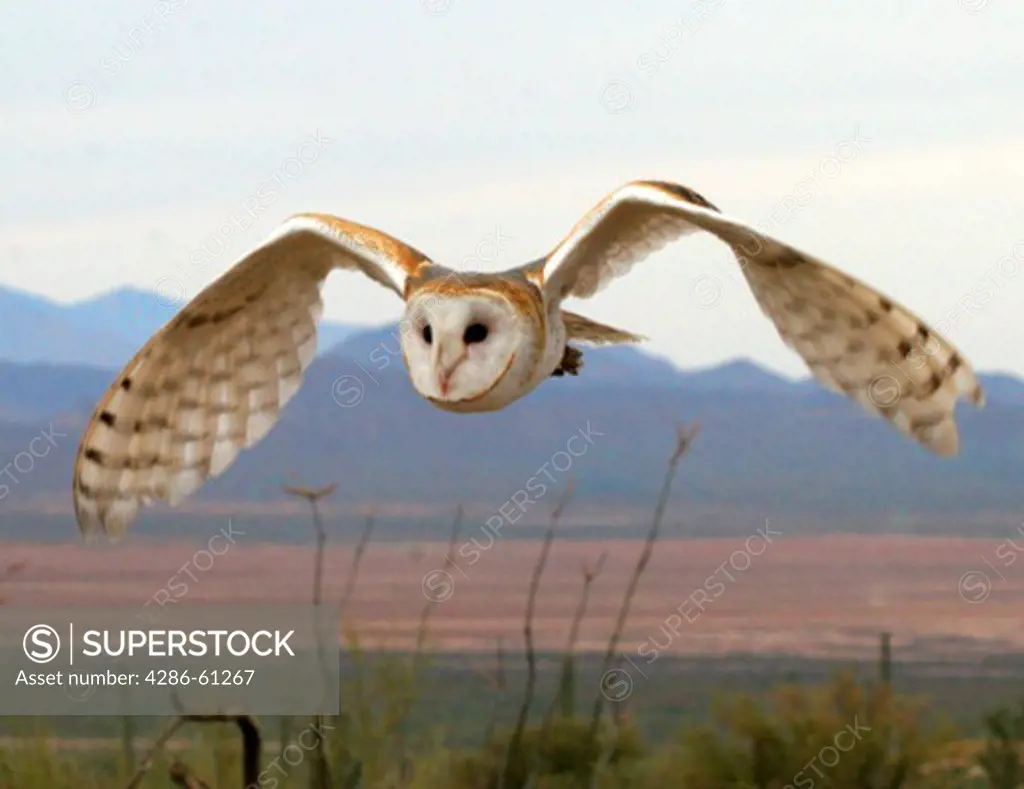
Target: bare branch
<point x="313" y="496"/>
<point x="182" y="776"/>
<point x="252" y="741"/>
<point x="421" y="630"/>
<point x="684" y="438"/>
<point x="357" y="559"/>
<point x="423" y="627"/>
<point x="147" y="761"/>
<point x="589" y="575"/>
<point x="531" y="658"/>
<point x="498" y="683"/>
<point x="310" y="493"/>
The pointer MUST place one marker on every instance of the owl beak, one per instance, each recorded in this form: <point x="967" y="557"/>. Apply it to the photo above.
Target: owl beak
<point x="444" y="375"/>
<point x="442" y="381"/>
<point x="446" y="370"/>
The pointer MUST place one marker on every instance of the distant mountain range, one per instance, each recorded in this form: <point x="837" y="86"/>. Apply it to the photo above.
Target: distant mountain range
<point x="790" y="452"/>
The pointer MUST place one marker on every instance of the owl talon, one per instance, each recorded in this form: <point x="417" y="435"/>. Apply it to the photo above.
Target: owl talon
<point x="571" y="364"/>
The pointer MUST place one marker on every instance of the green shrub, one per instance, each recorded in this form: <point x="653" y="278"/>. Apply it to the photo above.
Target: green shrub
<point x="1000" y="760"/>
<point x="846" y="735"/>
<point x="560" y="755"/>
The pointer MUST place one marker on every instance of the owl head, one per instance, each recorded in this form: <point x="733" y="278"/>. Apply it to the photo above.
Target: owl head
<point x="466" y="348"/>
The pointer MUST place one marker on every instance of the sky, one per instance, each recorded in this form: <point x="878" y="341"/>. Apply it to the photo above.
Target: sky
<point x="152" y="144"/>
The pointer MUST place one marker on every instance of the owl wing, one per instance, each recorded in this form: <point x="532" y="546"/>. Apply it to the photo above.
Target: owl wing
<point x="854" y="339"/>
<point x="214" y="379"/>
<point x="585" y="330"/>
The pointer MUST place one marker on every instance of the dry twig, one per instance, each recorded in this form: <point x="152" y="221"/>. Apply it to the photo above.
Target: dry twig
<point x="684" y="438"/>
<point x="251" y="745"/>
<point x="313" y="496"/>
<point x="182" y="776"/>
<point x="531" y="658"/>
<point x="421" y="630"/>
<point x="357" y="559"/>
<point x="589" y="576"/>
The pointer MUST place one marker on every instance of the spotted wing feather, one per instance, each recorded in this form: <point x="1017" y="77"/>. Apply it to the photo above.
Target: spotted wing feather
<point x="854" y="339"/>
<point x="214" y="380"/>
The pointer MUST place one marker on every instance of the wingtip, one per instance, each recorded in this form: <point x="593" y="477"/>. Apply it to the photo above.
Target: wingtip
<point x="95" y="527"/>
<point x="978" y="397"/>
<point x="945" y="443"/>
<point x="89" y="531"/>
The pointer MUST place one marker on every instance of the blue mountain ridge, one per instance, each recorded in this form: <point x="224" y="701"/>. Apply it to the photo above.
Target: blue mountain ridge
<point x="105" y="331"/>
<point x="770" y="447"/>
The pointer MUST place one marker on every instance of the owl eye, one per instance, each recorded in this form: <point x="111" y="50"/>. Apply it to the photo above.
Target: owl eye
<point x="476" y="332"/>
<point x="428" y="335"/>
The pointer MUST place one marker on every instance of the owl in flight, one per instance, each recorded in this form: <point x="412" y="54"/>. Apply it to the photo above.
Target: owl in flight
<point x="214" y="379"/>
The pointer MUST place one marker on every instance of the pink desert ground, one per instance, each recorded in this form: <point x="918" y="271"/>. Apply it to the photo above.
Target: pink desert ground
<point x="816" y="596"/>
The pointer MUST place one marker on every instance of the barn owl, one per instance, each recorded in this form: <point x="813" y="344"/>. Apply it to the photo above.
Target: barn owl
<point x="215" y="378"/>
